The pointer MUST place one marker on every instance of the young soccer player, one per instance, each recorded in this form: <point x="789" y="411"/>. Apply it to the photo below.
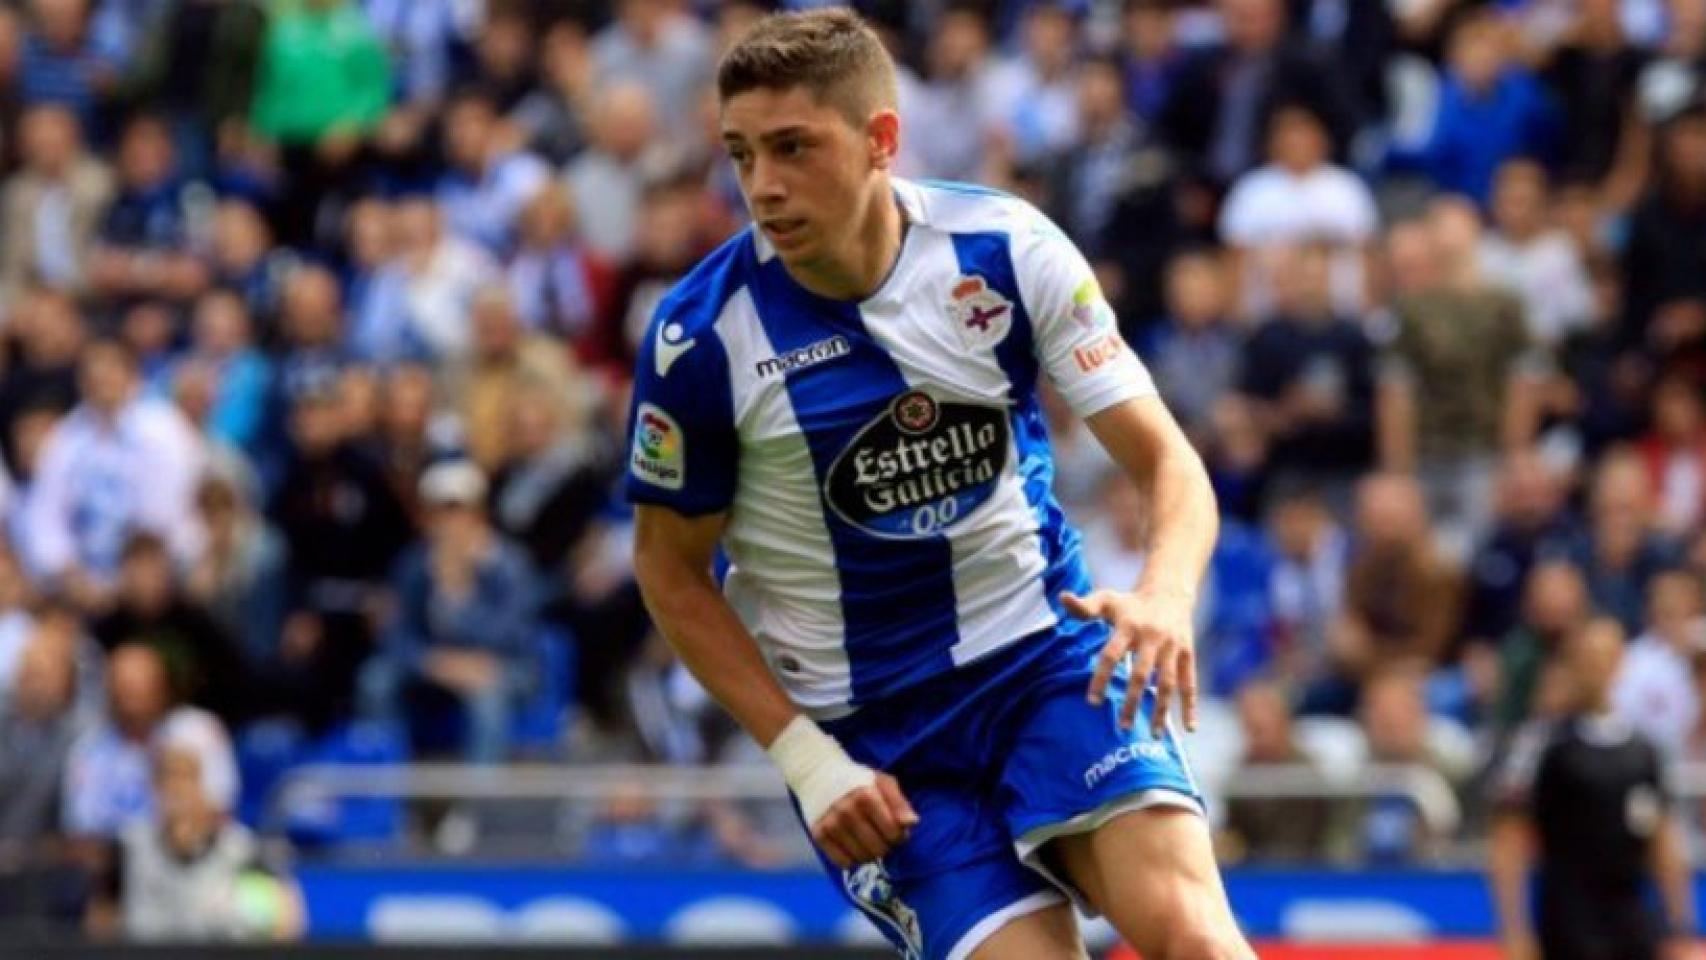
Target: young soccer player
<point x="844" y="398"/>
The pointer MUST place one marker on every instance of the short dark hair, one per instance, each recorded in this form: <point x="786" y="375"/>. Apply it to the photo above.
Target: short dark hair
<point x="831" y="52"/>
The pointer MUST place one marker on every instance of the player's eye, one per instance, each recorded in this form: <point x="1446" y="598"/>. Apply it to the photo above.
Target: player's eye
<point x="790" y="149"/>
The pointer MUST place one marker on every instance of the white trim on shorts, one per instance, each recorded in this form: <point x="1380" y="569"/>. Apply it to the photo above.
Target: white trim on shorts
<point x="987" y="927"/>
<point x="1029" y="845"/>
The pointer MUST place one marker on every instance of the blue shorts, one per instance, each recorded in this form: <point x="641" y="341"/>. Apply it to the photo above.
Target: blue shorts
<point x="998" y="758"/>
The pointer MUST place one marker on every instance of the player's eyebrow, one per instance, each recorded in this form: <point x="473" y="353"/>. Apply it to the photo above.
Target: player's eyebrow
<point x="768" y="136"/>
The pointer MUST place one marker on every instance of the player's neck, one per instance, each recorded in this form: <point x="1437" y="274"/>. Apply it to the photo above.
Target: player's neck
<point x="857" y="270"/>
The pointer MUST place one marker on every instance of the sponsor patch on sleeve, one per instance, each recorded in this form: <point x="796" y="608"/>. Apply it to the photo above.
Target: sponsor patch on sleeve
<point x="659" y="455"/>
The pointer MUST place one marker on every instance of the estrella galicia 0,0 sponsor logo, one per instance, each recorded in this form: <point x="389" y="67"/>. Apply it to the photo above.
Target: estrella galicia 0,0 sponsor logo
<point x="919" y="467"/>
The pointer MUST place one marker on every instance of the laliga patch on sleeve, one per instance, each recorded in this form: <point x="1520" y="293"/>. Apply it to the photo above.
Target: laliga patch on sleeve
<point x="659" y="455"/>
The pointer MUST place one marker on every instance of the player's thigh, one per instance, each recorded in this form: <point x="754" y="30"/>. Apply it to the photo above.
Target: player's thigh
<point x="1152" y="873"/>
<point x="1049" y="934"/>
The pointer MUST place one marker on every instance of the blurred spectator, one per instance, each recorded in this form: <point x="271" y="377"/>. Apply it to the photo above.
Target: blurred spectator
<point x="653" y="43"/>
<point x="39" y="720"/>
<point x="207" y="106"/>
<point x="506" y="360"/>
<point x="608" y="177"/>
<point x="1555" y="603"/>
<point x="1360" y="38"/>
<point x="245" y="259"/>
<point x="503" y="54"/>
<point x="1224" y="98"/>
<point x="491" y="179"/>
<point x="424" y="37"/>
<point x="1598" y="390"/>
<point x="1459" y="380"/>
<point x="222" y="341"/>
<point x="552" y="482"/>
<point x="190" y="873"/>
<point x="51" y="209"/>
<point x="1272" y="830"/>
<point x="321" y="87"/>
<point x="343" y="527"/>
<point x="1194" y="358"/>
<point x="205" y="665"/>
<point x="1307" y="374"/>
<point x="465" y="625"/>
<point x="561" y="287"/>
<point x="379" y="330"/>
<point x="1394" y="717"/>
<point x="1086" y="177"/>
<point x="1491" y="109"/>
<point x="1593" y="75"/>
<point x="1526" y="256"/>
<point x="1150" y="56"/>
<point x="957" y="89"/>
<point x="106" y="775"/>
<point x="41" y="371"/>
<point x="1672" y="76"/>
<point x="17" y="623"/>
<point x="440" y="273"/>
<point x="1298" y="197"/>
<point x="1655" y="691"/>
<point x="1625" y="548"/>
<point x="118" y="464"/>
<point x="143" y="252"/>
<point x="1675" y="456"/>
<point x="666" y="243"/>
<point x="61" y="63"/>
<point x="11" y="99"/>
<point x="1664" y="259"/>
<point x="1115" y="550"/>
<point x="240" y="578"/>
<point x="1531" y="525"/>
<point x="310" y="338"/>
<point x="553" y="113"/>
<point x="1402" y="598"/>
<point x="1307" y="584"/>
<point x="410" y="436"/>
<point x="1034" y="93"/>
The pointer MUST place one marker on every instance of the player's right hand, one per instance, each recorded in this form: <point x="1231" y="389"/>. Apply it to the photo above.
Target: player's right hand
<point x="865" y="824"/>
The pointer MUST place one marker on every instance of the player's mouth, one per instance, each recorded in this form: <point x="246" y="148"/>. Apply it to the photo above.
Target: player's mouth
<point x="782" y="229"/>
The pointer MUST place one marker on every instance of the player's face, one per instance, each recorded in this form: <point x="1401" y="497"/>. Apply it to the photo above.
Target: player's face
<point x="806" y="172"/>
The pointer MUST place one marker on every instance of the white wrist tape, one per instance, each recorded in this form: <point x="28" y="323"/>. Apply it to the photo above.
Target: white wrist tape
<point x="817" y="769"/>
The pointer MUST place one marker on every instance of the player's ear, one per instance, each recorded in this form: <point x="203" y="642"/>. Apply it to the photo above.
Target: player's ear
<point x="882" y="136"/>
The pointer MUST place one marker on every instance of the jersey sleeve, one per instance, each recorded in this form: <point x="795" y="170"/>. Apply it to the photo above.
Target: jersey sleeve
<point x="1077" y="337"/>
<point x="682" y="447"/>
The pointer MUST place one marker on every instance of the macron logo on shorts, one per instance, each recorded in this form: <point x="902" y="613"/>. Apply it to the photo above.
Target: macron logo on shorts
<point x="1117" y="758"/>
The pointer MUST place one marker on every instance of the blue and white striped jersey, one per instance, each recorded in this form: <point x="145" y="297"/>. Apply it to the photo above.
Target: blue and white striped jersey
<point x="884" y="463"/>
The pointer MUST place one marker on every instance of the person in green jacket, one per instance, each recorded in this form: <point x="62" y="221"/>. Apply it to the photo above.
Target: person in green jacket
<point x="322" y="86"/>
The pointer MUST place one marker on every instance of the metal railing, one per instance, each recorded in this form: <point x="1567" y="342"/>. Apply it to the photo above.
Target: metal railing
<point x="1432" y="797"/>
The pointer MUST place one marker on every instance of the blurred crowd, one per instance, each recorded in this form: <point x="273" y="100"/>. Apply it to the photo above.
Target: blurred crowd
<point x="316" y="322"/>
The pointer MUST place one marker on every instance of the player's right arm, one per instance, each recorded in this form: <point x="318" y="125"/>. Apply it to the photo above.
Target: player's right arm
<point x="856" y="814"/>
<point x="683" y="467"/>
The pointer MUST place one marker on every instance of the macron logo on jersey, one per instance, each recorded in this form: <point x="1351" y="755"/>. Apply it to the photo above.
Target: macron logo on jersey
<point x="670" y="346"/>
<point x="810" y="355"/>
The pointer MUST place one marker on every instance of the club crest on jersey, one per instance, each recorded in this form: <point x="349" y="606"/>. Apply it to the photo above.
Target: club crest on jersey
<point x="919" y="467"/>
<point x="983" y="315"/>
<point x="872" y="890"/>
<point x="659" y="456"/>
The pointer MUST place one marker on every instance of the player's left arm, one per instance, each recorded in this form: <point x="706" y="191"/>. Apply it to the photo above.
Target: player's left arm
<point x="1153" y="622"/>
<point x="1077" y="343"/>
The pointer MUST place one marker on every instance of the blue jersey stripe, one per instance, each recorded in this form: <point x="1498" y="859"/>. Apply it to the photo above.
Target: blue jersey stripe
<point x="989" y="255"/>
<point x="898" y="604"/>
